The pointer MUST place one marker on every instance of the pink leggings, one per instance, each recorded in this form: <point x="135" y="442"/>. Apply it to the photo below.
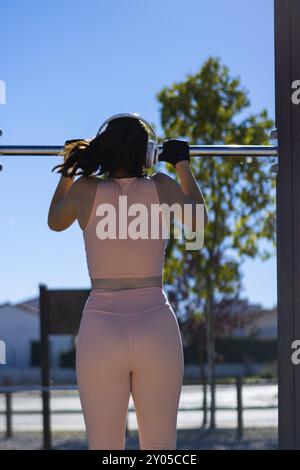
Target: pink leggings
<point x="129" y="342"/>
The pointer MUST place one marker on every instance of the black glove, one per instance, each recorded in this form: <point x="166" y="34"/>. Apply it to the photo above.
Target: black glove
<point x="175" y="151"/>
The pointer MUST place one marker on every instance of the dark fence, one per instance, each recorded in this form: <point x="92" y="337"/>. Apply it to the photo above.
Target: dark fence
<point x="9" y="390"/>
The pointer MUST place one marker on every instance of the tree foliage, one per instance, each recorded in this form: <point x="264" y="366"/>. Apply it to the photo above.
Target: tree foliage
<point x="239" y="192"/>
<point x="207" y="108"/>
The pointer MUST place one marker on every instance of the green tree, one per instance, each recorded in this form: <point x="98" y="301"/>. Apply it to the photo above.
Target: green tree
<point x="239" y="192"/>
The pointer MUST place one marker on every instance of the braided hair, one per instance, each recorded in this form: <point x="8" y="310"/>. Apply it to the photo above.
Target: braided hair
<point x="122" y="144"/>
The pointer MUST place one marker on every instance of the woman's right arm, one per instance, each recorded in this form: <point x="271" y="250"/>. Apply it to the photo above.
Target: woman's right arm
<point x="187" y="192"/>
<point x="189" y="185"/>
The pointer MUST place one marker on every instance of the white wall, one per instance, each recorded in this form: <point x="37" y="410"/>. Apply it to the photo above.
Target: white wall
<point x="18" y="329"/>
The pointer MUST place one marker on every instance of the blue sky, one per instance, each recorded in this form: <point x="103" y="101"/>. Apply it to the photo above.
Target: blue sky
<point x="68" y="65"/>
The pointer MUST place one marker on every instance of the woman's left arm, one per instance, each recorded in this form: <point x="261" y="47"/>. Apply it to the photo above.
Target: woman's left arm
<point x="62" y="211"/>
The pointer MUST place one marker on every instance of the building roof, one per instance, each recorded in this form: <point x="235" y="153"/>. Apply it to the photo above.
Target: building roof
<point x="30" y="306"/>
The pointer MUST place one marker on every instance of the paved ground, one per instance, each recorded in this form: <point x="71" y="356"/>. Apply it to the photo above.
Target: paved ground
<point x="188" y="439"/>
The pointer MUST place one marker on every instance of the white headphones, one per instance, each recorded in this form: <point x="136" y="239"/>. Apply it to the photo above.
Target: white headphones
<point x="152" y="152"/>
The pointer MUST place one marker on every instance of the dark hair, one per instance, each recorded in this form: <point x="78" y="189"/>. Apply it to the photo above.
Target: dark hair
<point x="122" y="144"/>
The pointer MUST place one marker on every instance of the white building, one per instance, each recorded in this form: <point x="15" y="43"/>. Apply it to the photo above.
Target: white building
<point x="266" y="326"/>
<point x="20" y="332"/>
<point x="263" y="324"/>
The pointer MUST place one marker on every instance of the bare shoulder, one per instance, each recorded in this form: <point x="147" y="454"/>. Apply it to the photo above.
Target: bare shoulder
<point x="165" y="182"/>
<point x="163" y="179"/>
<point x="84" y="181"/>
<point x="84" y="184"/>
<point x="83" y="194"/>
<point x="167" y="188"/>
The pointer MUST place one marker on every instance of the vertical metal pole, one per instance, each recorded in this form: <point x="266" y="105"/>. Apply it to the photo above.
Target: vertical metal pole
<point x="45" y="365"/>
<point x="8" y="415"/>
<point x="8" y="402"/>
<point x="287" y="73"/>
<point x="240" y="428"/>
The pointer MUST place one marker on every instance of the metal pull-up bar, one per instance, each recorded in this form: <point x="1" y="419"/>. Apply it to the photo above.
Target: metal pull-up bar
<point x="195" y="150"/>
